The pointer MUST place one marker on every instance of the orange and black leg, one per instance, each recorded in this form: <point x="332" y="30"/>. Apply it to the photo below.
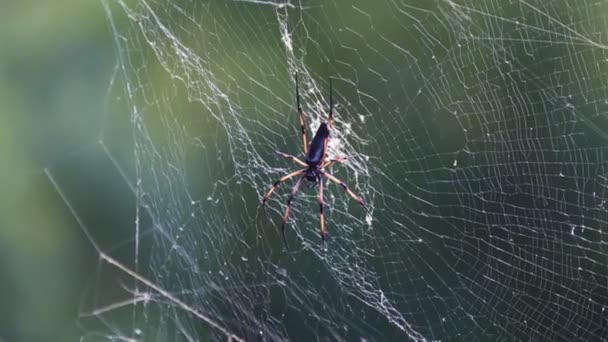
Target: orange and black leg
<point x="301" y="116"/>
<point x="321" y="214"/>
<point x="330" y="120"/>
<point x="345" y="187"/>
<point x="294" y="192"/>
<point x="293" y="158"/>
<point x="328" y="162"/>
<point x="281" y="180"/>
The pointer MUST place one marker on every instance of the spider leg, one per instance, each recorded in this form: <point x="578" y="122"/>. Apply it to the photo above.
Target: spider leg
<point x="321" y="214"/>
<point x="294" y="191"/>
<point x="330" y="119"/>
<point x="281" y="180"/>
<point x="328" y="162"/>
<point x="345" y="187"/>
<point x="294" y="159"/>
<point x="301" y="117"/>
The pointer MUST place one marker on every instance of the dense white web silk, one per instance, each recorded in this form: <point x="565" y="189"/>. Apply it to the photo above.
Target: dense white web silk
<point x="475" y="130"/>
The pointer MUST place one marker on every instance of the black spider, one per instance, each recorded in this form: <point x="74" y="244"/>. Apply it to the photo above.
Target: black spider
<point x="314" y="165"/>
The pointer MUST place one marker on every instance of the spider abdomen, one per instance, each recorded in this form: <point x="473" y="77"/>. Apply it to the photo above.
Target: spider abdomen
<point x="315" y="150"/>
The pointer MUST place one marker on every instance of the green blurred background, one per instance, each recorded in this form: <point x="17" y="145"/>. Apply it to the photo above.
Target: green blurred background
<point x="56" y="66"/>
<point x="60" y="116"/>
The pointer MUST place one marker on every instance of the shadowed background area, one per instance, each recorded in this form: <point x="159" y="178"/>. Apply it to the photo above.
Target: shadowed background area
<point x="56" y="67"/>
<point x="146" y="132"/>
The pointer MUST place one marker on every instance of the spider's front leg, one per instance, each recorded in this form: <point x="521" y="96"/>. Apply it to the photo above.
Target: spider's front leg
<point x="293" y="158"/>
<point x="328" y="162"/>
<point x="301" y="118"/>
<point x="330" y="119"/>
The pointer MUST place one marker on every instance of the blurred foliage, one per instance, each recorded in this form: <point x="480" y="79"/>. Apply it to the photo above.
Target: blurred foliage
<point x="57" y="60"/>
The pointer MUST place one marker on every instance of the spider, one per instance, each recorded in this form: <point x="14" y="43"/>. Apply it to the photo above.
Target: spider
<point x="314" y="165"/>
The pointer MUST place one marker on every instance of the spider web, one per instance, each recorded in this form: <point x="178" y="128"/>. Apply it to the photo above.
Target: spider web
<point x="475" y="130"/>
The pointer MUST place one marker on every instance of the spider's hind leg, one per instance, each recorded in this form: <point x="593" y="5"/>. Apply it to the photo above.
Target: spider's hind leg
<point x="321" y="214"/>
<point x="278" y="182"/>
<point x="293" y="194"/>
<point x="346" y="189"/>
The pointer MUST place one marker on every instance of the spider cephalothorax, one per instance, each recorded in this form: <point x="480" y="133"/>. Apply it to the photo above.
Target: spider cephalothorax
<point x="313" y="175"/>
<point x="314" y="165"/>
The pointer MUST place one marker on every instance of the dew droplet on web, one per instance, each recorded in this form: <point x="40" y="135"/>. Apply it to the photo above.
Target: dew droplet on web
<point x="368" y="219"/>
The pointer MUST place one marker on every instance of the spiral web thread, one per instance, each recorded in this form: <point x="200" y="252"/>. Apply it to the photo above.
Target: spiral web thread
<point x="475" y="130"/>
